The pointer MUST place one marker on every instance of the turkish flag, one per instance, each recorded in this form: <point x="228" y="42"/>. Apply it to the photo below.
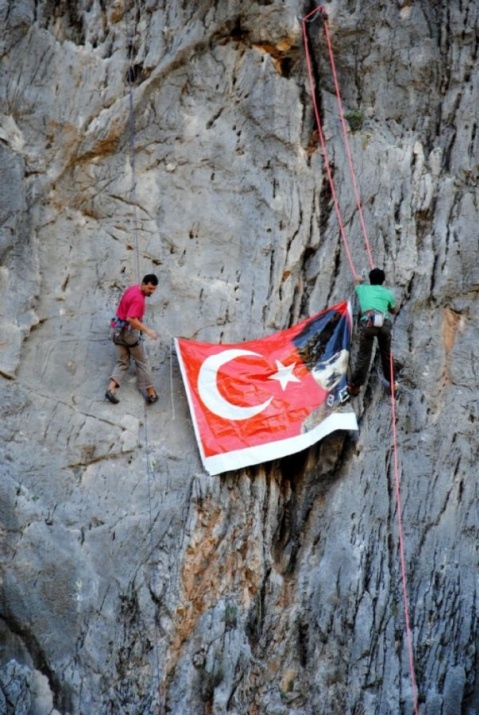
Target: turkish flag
<point x="260" y="400"/>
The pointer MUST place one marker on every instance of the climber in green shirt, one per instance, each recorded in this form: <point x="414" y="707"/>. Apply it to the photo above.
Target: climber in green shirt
<point x="377" y="304"/>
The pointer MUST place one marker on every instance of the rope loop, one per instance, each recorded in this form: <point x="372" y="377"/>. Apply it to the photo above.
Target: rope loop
<point x="318" y="12"/>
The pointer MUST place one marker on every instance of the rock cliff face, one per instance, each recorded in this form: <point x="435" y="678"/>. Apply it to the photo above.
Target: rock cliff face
<point x="131" y="581"/>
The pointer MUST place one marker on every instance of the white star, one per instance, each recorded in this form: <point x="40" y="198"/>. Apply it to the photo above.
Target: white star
<point x="284" y="374"/>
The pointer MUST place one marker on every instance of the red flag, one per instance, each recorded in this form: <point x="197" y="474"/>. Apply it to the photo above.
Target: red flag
<point x="261" y="400"/>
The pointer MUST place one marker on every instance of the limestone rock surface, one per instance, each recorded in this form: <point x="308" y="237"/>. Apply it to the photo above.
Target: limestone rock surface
<point x="179" y="138"/>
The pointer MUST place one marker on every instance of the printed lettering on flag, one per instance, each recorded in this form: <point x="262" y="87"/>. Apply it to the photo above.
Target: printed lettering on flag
<point x="260" y="400"/>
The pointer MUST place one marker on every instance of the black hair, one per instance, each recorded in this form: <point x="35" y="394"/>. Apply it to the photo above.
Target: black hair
<point x="151" y="279"/>
<point x="377" y="277"/>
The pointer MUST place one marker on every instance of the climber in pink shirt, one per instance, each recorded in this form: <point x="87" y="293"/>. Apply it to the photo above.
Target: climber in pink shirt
<point x="127" y="328"/>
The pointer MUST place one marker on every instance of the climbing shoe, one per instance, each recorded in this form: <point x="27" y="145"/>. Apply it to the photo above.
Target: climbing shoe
<point x="111" y="397"/>
<point x="151" y="399"/>
<point x="353" y="390"/>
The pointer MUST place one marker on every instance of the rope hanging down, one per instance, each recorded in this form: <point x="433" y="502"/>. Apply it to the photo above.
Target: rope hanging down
<point x="130" y="78"/>
<point x="320" y="12"/>
<point x="346" y="143"/>
<point x="322" y="140"/>
<point x="131" y="122"/>
<point x="310" y="17"/>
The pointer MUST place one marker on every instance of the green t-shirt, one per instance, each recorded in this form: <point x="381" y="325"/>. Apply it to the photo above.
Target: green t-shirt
<point x="374" y="297"/>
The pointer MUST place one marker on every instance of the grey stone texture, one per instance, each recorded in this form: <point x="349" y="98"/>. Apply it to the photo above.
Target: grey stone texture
<point x="179" y="138"/>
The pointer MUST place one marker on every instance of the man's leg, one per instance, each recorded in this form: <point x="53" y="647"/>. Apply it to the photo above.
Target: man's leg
<point x="384" y="343"/>
<point x="366" y="340"/>
<point x="143" y="371"/>
<point x="119" y="372"/>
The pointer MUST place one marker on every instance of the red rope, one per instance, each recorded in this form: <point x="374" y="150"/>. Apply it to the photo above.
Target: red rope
<point x="321" y="10"/>
<point x="346" y="143"/>
<point x="323" y="148"/>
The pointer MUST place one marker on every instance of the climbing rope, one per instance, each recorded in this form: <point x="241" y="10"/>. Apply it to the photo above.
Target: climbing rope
<point x="130" y="35"/>
<point x="346" y="143"/>
<point x="131" y="120"/>
<point x="320" y="12"/>
<point x="322" y="140"/>
<point x="130" y="80"/>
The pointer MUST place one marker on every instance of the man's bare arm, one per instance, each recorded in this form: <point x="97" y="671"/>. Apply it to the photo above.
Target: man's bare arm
<point x="138" y="325"/>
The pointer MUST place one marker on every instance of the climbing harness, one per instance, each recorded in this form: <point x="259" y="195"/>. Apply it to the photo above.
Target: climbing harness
<point x="372" y="319"/>
<point x="122" y="333"/>
<point x="320" y="12"/>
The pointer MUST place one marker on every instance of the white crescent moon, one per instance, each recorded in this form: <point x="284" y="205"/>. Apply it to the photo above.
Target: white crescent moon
<point x="208" y="388"/>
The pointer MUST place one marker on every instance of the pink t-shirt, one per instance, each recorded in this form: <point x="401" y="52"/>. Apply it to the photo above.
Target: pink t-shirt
<point x="132" y="304"/>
